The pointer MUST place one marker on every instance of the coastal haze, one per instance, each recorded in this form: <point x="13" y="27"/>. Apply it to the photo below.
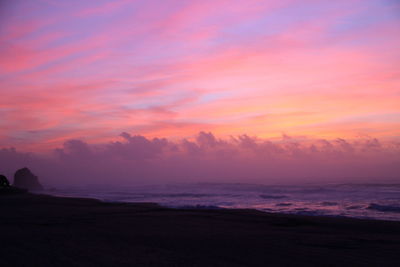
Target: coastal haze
<point x="133" y="93"/>
<point x="242" y="159"/>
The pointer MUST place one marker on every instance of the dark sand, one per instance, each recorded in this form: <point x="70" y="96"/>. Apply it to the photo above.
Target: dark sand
<point x="38" y="230"/>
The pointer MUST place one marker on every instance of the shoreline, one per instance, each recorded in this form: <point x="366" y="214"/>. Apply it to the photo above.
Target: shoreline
<point x="215" y="207"/>
<point x="68" y="231"/>
<point x="203" y="208"/>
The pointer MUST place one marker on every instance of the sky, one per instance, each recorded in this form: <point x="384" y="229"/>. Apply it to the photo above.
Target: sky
<point x="130" y="83"/>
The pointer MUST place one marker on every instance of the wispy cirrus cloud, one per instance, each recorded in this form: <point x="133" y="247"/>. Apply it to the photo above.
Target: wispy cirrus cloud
<point x="84" y="69"/>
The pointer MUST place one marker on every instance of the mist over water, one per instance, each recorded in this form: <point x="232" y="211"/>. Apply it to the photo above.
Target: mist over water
<point x="373" y="201"/>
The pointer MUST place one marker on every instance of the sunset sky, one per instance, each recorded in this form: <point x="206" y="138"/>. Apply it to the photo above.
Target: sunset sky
<point x="213" y="85"/>
<point x="92" y="69"/>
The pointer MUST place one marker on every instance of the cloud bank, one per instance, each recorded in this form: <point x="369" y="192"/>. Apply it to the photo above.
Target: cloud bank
<point x="135" y="159"/>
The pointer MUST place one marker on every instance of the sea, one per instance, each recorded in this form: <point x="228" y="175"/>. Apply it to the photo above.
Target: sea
<point x="367" y="201"/>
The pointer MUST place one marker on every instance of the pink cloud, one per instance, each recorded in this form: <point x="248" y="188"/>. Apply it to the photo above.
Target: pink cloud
<point x="105" y="8"/>
<point x="175" y="69"/>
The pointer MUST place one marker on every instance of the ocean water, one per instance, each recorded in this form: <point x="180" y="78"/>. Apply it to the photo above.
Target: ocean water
<point x="373" y="201"/>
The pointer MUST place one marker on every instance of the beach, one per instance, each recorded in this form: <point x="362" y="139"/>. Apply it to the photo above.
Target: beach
<point x="42" y="230"/>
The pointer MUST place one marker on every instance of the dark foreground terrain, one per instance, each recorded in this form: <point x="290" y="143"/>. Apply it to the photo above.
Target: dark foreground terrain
<point x="38" y="230"/>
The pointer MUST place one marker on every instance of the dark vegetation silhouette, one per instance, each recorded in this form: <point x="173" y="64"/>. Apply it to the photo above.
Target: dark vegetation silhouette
<point x="6" y="188"/>
<point x="25" y="179"/>
<point x="4" y="182"/>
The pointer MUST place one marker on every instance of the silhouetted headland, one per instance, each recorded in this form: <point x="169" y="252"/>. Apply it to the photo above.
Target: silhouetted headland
<point x="42" y="230"/>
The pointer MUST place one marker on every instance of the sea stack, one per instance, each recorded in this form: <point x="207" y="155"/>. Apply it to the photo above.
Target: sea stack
<point x="25" y="179"/>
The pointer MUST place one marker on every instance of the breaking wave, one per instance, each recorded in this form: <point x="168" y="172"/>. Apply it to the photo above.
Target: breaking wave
<point x="384" y="208"/>
<point x="351" y="200"/>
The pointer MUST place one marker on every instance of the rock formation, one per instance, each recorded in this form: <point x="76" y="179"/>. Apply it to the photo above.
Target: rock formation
<point x="24" y="178"/>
